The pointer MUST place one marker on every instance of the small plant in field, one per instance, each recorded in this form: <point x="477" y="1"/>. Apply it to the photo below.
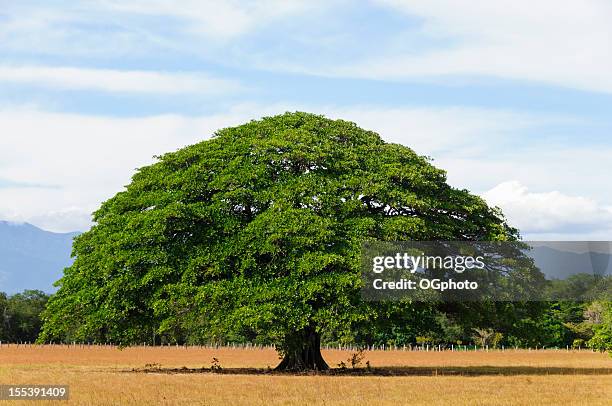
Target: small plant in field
<point x="154" y="365"/>
<point x="342" y="365"/>
<point x="216" y="365"/>
<point x="485" y="336"/>
<point x="496" y="340"/>
<point x="356" y="358"/>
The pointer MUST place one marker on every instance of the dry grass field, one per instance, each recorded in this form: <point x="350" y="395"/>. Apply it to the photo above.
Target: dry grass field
<point x="108" y="376"/>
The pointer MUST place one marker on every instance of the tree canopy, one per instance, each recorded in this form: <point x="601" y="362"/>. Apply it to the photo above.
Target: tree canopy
<point x="257" y="232"/>
<point x="20" y="315"/>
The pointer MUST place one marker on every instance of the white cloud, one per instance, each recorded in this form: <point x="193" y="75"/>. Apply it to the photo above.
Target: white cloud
<point x="34" y="28"/>
<point x="544" y="165"/>
<point x="138" y="27"/>
<point x="549" y="213"/>
<point x="563" y="43"/>
<point x="558" y="43"/>
<point x="108" y="80"/>
<point x="219" y="19"/>
<point x="66" y="219"/>
<point x="437" y="131"/>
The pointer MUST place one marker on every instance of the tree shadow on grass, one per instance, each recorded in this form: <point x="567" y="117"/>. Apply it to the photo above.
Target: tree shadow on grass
<point x="388" y="371"/>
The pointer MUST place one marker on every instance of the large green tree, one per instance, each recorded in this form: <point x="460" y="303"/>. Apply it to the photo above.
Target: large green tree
<point x="257" y="233"/>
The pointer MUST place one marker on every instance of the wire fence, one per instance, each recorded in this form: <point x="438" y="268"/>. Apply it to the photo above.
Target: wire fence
<point x="339" y="347"/>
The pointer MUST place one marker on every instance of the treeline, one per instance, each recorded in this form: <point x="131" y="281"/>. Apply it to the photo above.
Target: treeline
<point x="20" y="319"/>
<point x="561" y="323"/>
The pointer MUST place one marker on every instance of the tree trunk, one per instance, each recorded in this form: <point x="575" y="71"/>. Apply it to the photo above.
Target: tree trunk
<point x="302" y="352"/>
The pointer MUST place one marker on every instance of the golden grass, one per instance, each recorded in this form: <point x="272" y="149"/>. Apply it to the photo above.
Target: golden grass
<point x="102" y="376"/>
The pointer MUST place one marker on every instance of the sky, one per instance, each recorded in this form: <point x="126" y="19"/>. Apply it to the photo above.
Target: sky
<point x="511" y="98"/>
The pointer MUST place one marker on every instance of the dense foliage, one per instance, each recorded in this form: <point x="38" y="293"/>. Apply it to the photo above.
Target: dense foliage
<point x="20" y="316"/>
<point x="255" y="235"/>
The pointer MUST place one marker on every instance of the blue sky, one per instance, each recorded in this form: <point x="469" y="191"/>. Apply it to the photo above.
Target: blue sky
<point x="512" y="98"/>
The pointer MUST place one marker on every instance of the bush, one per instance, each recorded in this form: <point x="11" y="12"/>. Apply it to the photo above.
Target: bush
<point x="602" y="332"/>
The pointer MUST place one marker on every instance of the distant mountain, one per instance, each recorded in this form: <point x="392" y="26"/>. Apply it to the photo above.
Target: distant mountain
<point x="557" y="263"/>
<point x="31" y="258"/>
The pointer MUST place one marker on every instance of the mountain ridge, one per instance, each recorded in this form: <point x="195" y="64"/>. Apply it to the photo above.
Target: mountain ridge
<point x="32" y="258"/>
